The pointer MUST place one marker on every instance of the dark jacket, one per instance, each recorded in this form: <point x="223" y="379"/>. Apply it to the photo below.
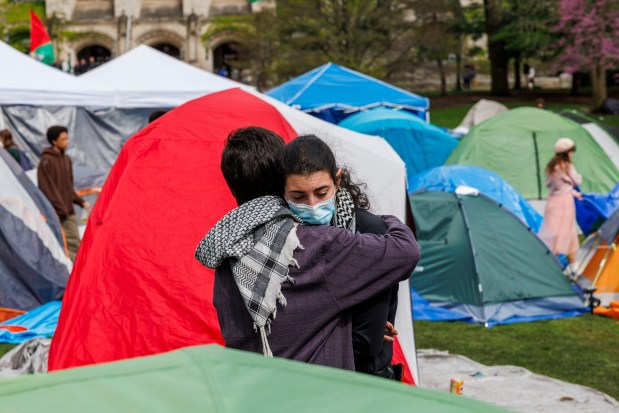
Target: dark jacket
<point x="55" y="177"/>
<point x="372" y="352"/>
<point x="337" y="271"/>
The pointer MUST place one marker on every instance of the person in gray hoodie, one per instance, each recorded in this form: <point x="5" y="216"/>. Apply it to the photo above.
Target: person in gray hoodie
<point x="283" y="288"/>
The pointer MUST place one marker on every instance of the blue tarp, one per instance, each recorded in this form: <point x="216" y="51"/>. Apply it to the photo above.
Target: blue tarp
<point x="332" y="92"/>
<point x="420" y="145"/>
<point x="448" y="178"/>
<point x="424" y="311"/>
<point x="40" y="322"/>
<point x="594" y="209"/>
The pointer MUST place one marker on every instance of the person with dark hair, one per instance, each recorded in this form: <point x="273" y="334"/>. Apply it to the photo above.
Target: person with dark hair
<point x="269" y="263"/>
<point x="322" y="194"/>
<point x="156" y="115"/>
<point x="55" y="177"/>
<point x="19" y="155"/>
<point x="558" y="228"/>
<point x="247" y="163"/>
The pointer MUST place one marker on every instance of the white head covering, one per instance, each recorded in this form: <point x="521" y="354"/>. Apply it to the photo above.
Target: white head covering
<point x="563" y="145"/>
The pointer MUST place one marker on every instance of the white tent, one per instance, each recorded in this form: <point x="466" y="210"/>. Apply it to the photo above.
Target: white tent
<point x="479" y="112"/>
<point x="147" y="78"/>
<point x="26" y="81"/>
<point x="605" y="141"/>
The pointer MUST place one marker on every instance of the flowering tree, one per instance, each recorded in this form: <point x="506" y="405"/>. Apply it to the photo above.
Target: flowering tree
<point x="590" y="40"/>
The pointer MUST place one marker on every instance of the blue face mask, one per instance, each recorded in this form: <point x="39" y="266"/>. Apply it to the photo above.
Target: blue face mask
<point x="319" y="214"/>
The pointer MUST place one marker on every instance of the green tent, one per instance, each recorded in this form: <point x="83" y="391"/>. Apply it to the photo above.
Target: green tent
<point x="480" y="260"/>
<point x="210" y="378"/>
<point x="519" y="143"/>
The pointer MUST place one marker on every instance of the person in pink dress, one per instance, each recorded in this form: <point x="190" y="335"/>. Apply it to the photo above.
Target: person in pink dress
<point x="558" y="229"/>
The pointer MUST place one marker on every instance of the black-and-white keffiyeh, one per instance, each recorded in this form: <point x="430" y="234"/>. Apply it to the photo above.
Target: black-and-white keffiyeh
<point x="259" y="237"/>
<point x="344" y="211"/>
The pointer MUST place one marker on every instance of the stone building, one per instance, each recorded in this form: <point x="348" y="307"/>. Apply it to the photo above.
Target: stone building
<point x="107" y="28"/>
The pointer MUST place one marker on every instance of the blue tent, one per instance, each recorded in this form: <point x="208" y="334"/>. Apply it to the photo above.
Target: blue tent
<point x="448" y="178"/>
<point x="33" y="266"/>
<point x="420" y="145"/>
<point x="594" y="209"/>
<point x="332" y="92"/>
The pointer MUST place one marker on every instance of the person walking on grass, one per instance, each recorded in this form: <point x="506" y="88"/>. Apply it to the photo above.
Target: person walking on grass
<point x="55" y="178"/>
<point x="558" y="229"/>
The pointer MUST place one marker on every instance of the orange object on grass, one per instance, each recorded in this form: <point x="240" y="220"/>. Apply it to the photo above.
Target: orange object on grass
<point x="8" y="313"/>
<point x="14" y="329"/>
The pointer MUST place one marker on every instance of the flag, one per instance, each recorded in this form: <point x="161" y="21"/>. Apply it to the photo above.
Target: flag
<point x="40" y="44"/>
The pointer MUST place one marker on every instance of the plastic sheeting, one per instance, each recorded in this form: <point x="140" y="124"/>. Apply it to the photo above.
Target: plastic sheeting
<point x="38" y="323"/>
<point x="511" y="387"/>
<point x="27" y="358"/>
<point x="594" y="209"/>
<point x="95" y="136"/>
<point x="448" y="178"/>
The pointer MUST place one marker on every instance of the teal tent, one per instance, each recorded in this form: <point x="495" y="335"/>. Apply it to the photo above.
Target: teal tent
<point x="518" y="144"/>
<point x="480" y="260"/>
<point x="210" y="378"/>
<point x="421" y="146"/>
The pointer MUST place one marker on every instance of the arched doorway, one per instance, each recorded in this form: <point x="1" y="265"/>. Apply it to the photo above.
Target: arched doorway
<point x="101" y="54"/>
<point x="90" y="57"/>
<point x="168" y="49"/>
<point x="231" y="55"/>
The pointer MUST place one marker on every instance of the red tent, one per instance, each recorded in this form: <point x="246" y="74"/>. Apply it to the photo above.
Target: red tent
<point x="136" y="288"/>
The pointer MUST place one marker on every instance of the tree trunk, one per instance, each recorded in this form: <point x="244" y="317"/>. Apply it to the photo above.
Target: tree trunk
<point x="575" y="83"/>
<point x="499" y="58"/>
<point x="517" y="73"/>
<point x="441" y="71"/>
<point x="458" y="72"/>
<point x="598" y="85"/>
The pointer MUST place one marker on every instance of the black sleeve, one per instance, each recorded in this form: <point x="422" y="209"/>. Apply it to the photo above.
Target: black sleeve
<point x="369" y="318"/>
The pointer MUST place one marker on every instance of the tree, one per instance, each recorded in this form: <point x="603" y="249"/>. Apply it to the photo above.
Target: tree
<point x="436" y="33"/>
<point x="527" y="31"/>
<point x="372" y="36"/>
<point x="495" y="12"/>
<point x="590" y="40"/>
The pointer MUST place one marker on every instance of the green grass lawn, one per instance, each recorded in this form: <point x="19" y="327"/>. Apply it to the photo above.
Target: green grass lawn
<point x="451" y="117"/>
<point x="5" y="348"/>
<point x="582" y="350"/>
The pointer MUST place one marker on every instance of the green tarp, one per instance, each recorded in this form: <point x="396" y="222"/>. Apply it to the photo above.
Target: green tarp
<point x="214" y="379"/>
<point x="519" y="143"/>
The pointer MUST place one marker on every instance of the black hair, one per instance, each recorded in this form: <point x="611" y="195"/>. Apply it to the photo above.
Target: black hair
<point x="249" y="163"/>
<point x="156" y="115"/>
<point x="309" y="154"/>
<point x="54" y="132"/>
<point x="6" y="135"/>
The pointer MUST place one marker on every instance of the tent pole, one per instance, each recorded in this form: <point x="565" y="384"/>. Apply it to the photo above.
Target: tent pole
<point x="539" y="178"/>
<point x="611" y="248"/>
